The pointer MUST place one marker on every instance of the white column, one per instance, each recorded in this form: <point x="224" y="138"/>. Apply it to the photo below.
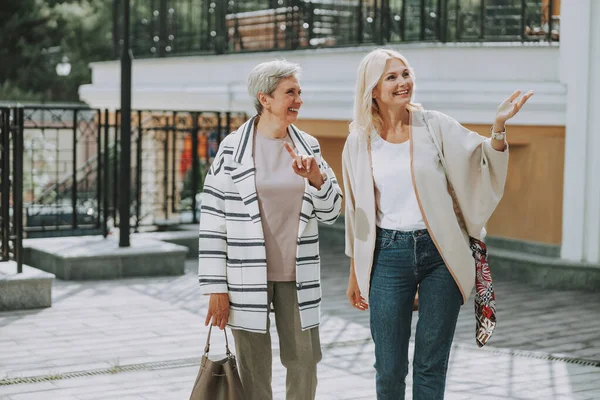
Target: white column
<point x="580" y="72"/>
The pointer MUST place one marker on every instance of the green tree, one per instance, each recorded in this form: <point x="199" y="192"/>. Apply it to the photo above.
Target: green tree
<point x="35" y="35"/>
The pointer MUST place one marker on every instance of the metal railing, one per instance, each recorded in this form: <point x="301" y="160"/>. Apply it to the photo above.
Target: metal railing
<point x="11" y="186"/>
<point x="71" y="166"/>
<point x="171" y="152"/>
<point x="176" y="27"/>
<point x="61" y="178"/>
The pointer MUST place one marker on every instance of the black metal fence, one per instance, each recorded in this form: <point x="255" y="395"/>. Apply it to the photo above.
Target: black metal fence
<point x="11" y="186"/>
<point x="62" y="177"/>
<point x="165" y="27"/>
<point x="71" y="166"/>
<point x="171" y="153"/>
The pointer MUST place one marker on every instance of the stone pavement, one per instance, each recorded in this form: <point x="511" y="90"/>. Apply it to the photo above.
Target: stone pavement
<point x="142" y="339"/>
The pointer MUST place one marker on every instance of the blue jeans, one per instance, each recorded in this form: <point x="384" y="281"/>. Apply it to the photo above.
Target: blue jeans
<point x="403" y="261"/>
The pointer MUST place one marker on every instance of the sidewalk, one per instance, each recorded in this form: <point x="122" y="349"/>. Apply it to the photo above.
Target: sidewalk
<point x="143" y="338"/>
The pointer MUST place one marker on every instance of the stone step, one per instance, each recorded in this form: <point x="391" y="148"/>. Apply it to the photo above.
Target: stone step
<point x="186" y="235"/>
<point x="30" y="289"/>
<point x="523" y="246"/>
<point x="543" y="271"/>
<point x="94" y="257"/>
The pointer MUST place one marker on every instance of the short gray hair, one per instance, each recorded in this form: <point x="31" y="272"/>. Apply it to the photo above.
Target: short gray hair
<point x="266" y="76"/>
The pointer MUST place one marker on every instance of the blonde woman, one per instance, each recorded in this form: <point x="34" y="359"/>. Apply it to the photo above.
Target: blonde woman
<point x="402" y="233"/>
<point x="259" y="241"/>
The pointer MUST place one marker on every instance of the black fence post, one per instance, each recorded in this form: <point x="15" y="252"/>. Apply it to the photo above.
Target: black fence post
<point x="18" y="148"/>
<point x="125" y="175"/>
<point x="442" y="15"/>
<point x="457" y="26"/>
<point x="166" y="168"/>
<point x="523" y="19"/>
<point x="482" y="20"/>
<point x="220" y="126"/>
<point x="74" y="176"/>
<point x="359" y="23"/>
<point x="116" y="166"/>
<point x="309" y="15"/>
<point x="195" y="167"/>
<point x="174" y="165"/>
<point x="6" y="184"/>
<point x="138" y="174"/>
<point x="403" y="20"/>
<point x="422" y="21"/>
<point x="221" y="37"/>
<point x="550" y="19"/>
<point x="273" y="5"/>
<point x="446" y="18"/>
<point x="377" y="36"/>
<point x="106" y="164"/>
<point x="115" y="29"/>
<point x="162" y="28"/>
<point x="99" y="169"/>
<point x="384" y="15"/>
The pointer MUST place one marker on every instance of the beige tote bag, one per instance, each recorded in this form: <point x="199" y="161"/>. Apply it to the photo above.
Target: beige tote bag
<point x="218" y="380"/>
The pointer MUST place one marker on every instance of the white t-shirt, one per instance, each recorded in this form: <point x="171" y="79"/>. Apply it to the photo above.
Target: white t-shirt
<point x="397" y="206"/>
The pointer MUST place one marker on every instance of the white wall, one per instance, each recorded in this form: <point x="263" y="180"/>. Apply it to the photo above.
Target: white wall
<point x="466" y="81"/>
<point x="580" y="71"/>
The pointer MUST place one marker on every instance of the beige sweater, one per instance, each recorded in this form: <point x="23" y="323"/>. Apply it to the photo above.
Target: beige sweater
<point x="476" y="170"/>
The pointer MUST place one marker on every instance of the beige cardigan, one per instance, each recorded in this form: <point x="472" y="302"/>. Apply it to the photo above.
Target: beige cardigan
<point x="476" y="170"/>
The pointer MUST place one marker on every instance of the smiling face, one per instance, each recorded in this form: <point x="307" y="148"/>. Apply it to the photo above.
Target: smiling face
<point x="285" y="101"/>
<point x="394" y="89"/>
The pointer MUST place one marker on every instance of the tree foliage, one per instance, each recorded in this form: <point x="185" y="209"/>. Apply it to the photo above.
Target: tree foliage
<point x="35" y="35"/>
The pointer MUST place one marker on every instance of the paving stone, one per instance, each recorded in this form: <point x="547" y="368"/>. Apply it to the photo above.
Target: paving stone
<point x="26" y="388"/>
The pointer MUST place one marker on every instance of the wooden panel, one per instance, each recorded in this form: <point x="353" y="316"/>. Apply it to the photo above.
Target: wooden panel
<point x="332" y="151"/>
<point x="325" y="128"/>
<point x="555" y="6"/>
<point x="332" y="136"/>
<point x="531" y="208"/>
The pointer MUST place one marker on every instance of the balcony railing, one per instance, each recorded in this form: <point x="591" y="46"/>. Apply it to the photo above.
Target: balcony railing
<point x="177" y="27"/>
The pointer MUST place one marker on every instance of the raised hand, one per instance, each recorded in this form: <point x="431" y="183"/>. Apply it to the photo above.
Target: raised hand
<point x="511" y="106"/>
<point x="306" y="167"/>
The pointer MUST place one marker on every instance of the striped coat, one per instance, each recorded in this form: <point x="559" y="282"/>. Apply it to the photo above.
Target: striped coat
<point x="232" y="246"/>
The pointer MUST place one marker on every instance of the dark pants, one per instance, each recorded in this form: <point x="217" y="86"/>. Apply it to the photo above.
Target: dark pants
<point x="402" y="262"/>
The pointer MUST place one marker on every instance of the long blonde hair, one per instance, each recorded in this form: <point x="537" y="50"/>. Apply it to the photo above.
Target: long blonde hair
<point x="370" y="70"/>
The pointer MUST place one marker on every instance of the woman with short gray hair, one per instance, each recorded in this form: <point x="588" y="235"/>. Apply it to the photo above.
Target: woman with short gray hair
<point x="266" y="190"/>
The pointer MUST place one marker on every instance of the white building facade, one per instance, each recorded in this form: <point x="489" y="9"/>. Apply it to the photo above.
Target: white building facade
<point x="464" y="80"/>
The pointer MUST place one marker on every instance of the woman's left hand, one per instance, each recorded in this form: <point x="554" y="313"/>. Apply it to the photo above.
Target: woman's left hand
<point x="511" y="106"/>
<point x="306" y="167"/>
